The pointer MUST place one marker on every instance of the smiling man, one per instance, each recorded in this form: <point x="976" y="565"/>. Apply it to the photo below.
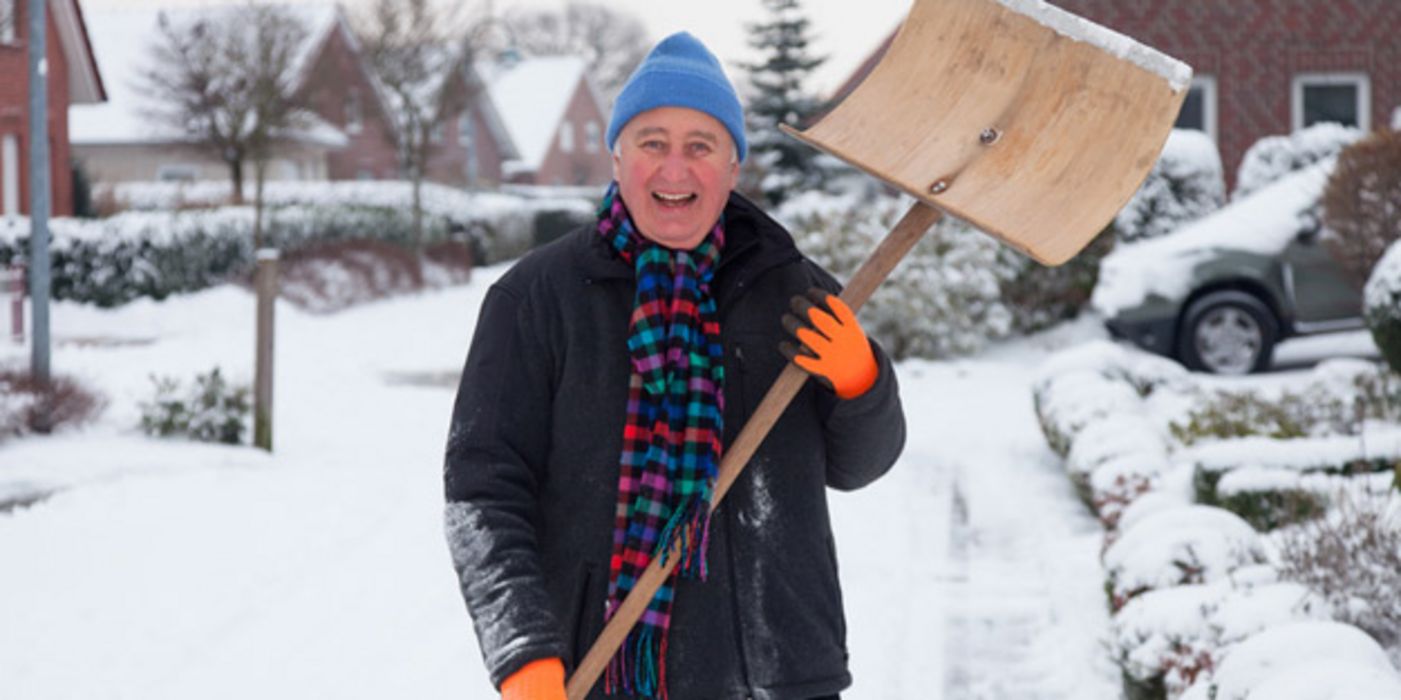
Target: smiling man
<point x="607" y="374"/>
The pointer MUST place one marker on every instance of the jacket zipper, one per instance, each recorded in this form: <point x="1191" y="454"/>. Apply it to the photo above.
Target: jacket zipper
<point x="731" y="523"/>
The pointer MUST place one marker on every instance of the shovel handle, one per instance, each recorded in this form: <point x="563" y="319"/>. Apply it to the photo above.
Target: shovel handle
<point x="874" y="270"/>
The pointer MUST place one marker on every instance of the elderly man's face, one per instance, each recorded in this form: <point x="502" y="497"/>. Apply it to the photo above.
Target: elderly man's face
<point x="675" y="168"/>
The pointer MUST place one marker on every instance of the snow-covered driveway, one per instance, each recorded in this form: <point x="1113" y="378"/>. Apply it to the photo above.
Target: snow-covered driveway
<point x="172" y="570"/>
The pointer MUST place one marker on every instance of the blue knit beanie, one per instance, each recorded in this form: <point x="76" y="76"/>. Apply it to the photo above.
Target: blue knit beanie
<point x="680" y="72"/>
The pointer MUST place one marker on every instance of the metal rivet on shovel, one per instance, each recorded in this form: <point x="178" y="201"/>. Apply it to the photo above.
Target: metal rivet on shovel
<point x="1078" y="158"/>
<point x="989" y="136"/>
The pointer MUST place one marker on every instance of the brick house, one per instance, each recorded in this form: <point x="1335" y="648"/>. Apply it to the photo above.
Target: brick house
<point x="1263" y="67"/>
<point x="472" y="143"/>
<point x="555" y="118"/>
<point x="120" y="142"/>
<point x="73" y="79"/>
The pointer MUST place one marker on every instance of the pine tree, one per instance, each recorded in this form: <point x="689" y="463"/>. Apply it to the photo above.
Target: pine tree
<point x="779" y="165"/>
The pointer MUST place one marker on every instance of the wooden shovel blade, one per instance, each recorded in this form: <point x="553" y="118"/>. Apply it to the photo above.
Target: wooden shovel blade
<point x="1002" y="113"/>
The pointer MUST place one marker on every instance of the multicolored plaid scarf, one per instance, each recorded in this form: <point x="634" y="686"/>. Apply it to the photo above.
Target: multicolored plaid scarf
<point x="671" y="441"/>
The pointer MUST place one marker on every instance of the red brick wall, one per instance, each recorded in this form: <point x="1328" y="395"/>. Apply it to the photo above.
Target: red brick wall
<point x="580" y="167"/>
<point x="335" y="73"/>
<point x="447" y="161"/>
<point x="1254" y="48"/>
<point x="14" y="112"/>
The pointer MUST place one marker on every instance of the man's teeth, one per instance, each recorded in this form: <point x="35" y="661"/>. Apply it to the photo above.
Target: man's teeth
<point x="672" y="197"/>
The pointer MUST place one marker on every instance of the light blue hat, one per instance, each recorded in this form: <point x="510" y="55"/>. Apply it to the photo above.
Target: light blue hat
<point x="680" y="72"/>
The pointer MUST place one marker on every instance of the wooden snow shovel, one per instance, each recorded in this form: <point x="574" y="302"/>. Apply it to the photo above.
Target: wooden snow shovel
<point x="1025" y="120"/>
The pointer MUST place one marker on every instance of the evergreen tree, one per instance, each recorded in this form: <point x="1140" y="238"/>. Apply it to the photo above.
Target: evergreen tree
<point x="779" y="165"/>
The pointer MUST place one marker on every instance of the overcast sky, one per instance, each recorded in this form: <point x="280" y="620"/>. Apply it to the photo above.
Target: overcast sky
<point x="845" y="30"/>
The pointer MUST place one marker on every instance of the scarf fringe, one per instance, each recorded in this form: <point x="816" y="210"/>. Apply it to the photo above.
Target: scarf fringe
<point x="639" y="667"/>
<point x="690" y="527"/>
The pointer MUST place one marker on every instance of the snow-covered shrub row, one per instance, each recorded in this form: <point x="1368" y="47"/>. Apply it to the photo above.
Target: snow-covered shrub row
<point x="1185" y="184"/>
<point x="1175" y="636"/>
<point x="944" y="299"/>
<point x="1188" y="582"/>
<point x="330" y="276"/>
<point x="1274" y="157"/>
<point x="1302" y="660"/>
<point x="502" y="224"/>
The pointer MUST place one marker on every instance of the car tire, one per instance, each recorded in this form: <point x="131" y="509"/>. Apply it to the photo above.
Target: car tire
<point x="1228" y="332"/>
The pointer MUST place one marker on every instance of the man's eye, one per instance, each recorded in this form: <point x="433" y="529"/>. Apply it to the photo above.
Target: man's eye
<point x="699" y="149"/>
<point x="653" y="145"/>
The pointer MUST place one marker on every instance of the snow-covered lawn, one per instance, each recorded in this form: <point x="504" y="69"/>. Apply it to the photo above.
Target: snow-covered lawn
<point x="162" y="569"/>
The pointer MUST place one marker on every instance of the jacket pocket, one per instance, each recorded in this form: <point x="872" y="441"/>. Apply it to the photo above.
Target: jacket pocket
<point x="588" y="621"/>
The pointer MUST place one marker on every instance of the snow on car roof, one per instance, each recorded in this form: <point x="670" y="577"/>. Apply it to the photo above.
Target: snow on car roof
<point x="1263" y="222"/>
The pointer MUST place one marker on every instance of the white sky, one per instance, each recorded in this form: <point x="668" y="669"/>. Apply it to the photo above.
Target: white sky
<point x="845" y="31"/>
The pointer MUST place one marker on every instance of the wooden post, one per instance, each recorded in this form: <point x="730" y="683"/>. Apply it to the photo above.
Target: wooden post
<point x="265" y="282"/>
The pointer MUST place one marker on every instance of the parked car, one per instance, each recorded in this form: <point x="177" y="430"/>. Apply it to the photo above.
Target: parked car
<point x="1219" y="294"/>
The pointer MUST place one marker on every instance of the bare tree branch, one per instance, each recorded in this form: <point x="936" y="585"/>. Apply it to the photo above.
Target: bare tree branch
<point x="611" y="41"/>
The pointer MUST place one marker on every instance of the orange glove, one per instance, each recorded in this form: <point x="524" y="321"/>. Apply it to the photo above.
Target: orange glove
<point x="836" y="352"/>
<point x="542" y="679"/>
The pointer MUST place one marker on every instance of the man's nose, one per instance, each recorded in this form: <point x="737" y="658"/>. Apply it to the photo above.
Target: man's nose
<point x="674" y="165"/>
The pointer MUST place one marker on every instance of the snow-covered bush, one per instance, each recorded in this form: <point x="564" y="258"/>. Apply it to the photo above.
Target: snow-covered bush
<point x="213" y="410"/>
<point x="1039" y="296"/>
<point x="1362" y="204"/>
<point x="1193" y="544"/>
<point x="1184" y="185"/>
<point x="1273" y="157"/>
<point x="26" y="408"/>
<point x="326" y="277"/>
<point x="1253" y="669"/>
<point x="1352" y="559"/>
<point x="1381" y="304"/>
<point x="943" y="300"/>
<point x="1165" y="640"/>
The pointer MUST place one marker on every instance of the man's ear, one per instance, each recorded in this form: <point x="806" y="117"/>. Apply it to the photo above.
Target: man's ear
<point x="617" y="164"/>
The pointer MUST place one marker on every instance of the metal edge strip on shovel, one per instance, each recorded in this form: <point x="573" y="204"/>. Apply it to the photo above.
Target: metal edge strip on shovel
<point x="1029" y="122"/>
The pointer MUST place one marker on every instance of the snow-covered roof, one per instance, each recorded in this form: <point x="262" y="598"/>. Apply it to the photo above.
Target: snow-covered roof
<point x="1263" y="222"/>
<point x="531" y="96"/>
<point x="84" y="76"/>
<point x="122" y="43"/>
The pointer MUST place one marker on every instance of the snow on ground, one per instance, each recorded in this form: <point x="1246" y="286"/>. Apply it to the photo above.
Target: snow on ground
<point x="163" y="569"/>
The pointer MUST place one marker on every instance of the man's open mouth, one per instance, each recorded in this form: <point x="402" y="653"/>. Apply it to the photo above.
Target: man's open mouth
<point x="667" y="199"/>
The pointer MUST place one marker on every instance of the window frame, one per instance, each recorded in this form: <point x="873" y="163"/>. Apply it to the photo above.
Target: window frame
<point x="1210" y="120"/>
<point x="1359" y="79"/>
<point x="566" y="136"/>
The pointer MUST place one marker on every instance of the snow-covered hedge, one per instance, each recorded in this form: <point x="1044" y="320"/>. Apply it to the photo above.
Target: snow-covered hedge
<point x="1188" y="582"/>
<point x="156" y="253"/>
<point x="1185" y="184"/>
<point x="944" y="298"/>
<point x="1273" y="157"/>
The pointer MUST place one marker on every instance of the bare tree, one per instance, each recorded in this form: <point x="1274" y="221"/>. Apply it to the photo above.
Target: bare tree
<point x="226" y="80"/>
<point x="613" y="42"/>
<point x="413" y="47"/>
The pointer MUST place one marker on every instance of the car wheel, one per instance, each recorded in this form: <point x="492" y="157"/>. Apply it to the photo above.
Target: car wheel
<point x="1228" y="332"/>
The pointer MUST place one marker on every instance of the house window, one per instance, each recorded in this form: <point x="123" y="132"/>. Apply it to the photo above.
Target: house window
<point x="177" y="172"/>
<point x="8" y="8"/>
<point x="364" y="174"/>
<point x="9" y="175"/>
<point x="566" y="137"/>
<point x="592" y="139"/>
<point x="1345" y="98"/>
<point x="435" y="134"/>
<point x="353" y="116"/>
<point x="1199" y="109"/>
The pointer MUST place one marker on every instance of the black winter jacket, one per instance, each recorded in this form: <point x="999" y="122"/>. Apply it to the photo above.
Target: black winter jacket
<point x="531" y="473"/>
